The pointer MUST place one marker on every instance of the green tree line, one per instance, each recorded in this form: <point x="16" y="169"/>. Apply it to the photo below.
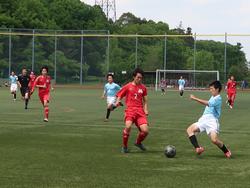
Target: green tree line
<point x="76" y="15"/>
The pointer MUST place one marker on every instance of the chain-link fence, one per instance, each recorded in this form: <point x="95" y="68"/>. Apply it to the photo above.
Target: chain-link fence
<point x="85" y="57"/>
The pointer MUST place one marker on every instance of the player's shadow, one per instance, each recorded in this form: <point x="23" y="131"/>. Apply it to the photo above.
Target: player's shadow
<point x="146" y="152"/>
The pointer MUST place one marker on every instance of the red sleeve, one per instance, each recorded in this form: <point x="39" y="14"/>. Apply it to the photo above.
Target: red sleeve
<point x="145" y="93"/>
<point x="228" y="84"/>
<point x="122" y="93"/>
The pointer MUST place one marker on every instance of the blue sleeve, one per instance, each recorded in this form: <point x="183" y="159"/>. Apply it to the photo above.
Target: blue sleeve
<point x="213" y="102"/>
<point x="118" y="87"/>
<point x="105" y="88"/>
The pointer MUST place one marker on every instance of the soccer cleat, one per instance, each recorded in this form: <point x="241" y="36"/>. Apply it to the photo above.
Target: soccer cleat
<point x="141" y="146"/>
<point x="125" y="150"/>
<point x="199" y="150"/>
<point x="228" y="154"/>
<point x="46" y="120"/>
<point x="230" y="106"/>
<point x="26" y="108"/>
<point x="106" y="120"/>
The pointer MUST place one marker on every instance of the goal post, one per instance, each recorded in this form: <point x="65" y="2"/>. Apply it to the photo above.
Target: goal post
<point x="194" y="78"/>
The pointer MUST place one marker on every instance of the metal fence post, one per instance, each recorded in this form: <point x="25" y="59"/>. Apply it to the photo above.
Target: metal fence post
<point x="33" y="51"/>
<point x="136" y="51"/>
<point x="81" y="65"/>
<point x="108" y="51"/>
<point x="55" y="58"/>
<point x="225" y="59"/>
<point x="10" y="50"/>
<point x="165" y="55"/>
<point x="194" y="68"/>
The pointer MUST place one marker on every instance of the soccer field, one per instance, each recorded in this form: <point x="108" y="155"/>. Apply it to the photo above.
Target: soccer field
<point x="78" y="149"/>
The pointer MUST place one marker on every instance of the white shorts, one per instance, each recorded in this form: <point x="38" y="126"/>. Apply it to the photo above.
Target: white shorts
<point x="181" y="88"/>
<point x="208" y="123"/>
<point x="13" y="87"/>
<point x="111" y="100"/>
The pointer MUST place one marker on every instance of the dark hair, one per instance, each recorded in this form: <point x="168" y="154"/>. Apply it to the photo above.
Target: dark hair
<point x="110" y="74"/>
<point x="44" y="67"/>
<point x="138" y="70"/>
<point x="216" y="84"/>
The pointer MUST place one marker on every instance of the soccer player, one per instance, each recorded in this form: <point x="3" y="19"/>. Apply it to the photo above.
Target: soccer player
<point x="136" y="111"/>
<point x="32" y="81"/>
<point x="110" y="90"/>
<point x="13" y="84"/>
<point x="231" y="91"/>
<point x="181" y="83"/>
<point x="23" y="82"/>
<point x="209" y="121"/>
<point x="163" y="85"/>
<point x="43" y="82"/>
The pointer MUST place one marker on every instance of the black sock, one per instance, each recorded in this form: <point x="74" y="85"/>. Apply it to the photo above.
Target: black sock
<point x="26" y="102"/>
<point x="194" y="141"/>
<point x="14" y="96"/>
<point x="224" y="148"/>
<point x="114" y="107"/>
<point x="108" y="113"/>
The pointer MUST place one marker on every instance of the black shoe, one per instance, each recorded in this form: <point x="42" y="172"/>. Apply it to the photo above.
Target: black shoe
<point x="141" y="146"/>
<point x="125" y="150"/>
<point x="120" y="103"/>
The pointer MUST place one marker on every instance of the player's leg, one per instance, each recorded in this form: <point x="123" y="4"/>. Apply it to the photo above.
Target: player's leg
<point x="45" y="102"/>
<point x="26" y="97"/>
<point x="109" y="108"/>
<point x="46" y="110"/>
<point x="143" y="133"/>
<point x="215" y="140"/>
<point x="142" y="125"/>
<point x="191" y="131"/>
<point x="229" y="98"/>
<point x="13" y="89"/>
<point x="233" y="96"/>
<point x="22" y="93"/>
<point x="125" y="134"/>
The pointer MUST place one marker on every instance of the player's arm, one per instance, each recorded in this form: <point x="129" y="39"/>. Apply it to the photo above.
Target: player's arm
<point x="19" y="84"/>
<point x="36" y="84"/>
<point x="145" y="104"/>
<point x="201" y="101"/>
<point x="120" y="95"/>
<point x="104" y="93"/>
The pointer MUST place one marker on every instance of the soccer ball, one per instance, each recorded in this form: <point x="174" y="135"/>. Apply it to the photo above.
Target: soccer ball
<point x="170" y="151"/>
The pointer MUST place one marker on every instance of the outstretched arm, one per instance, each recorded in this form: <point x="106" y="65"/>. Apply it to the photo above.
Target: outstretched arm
<point x="201" y="101"/>
<point x="145" y="104"/>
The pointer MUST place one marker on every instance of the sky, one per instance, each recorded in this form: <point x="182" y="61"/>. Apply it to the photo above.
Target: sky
<point x="203" y="16"/>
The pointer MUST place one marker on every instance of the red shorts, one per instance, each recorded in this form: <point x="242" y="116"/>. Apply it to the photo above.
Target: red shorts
<point x="44" y="97"/>
<point x="137" y="116"/>
<point x="231" y="93"/>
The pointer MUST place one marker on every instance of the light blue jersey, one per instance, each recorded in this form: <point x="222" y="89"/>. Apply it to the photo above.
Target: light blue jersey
<point x="214" y="106"/>
<point x="181" y="82"/>
<point x="13" y="79"/>
<point x="111" y="89"/>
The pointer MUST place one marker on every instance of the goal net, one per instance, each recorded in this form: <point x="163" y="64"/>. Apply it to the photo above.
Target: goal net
<point x="199" y="79"/>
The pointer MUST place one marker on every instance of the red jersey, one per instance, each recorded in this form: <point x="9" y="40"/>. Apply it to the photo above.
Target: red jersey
<point x="32" y="80"/>
<point x="134" y="95"/>
<point x="231" y="86"/>
<point x="43" y="80"/>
